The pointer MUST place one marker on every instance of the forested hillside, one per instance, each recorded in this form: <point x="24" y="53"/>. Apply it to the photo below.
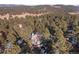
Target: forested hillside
<point x="57" y="26"/>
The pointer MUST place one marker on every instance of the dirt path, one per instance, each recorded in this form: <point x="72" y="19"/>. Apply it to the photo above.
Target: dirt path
<point x="23" y="15"/>
<point x="74" y="13"/>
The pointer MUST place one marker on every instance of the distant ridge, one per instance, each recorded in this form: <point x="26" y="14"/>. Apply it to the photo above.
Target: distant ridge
<point x="13" y="5"/>
<point x="19" y="9"/>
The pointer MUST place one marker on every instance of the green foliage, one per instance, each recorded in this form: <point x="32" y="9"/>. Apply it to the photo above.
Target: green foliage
<point x="58" y="20"/>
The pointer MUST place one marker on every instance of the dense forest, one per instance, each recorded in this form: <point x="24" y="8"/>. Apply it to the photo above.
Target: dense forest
<point x="57" y="31"/>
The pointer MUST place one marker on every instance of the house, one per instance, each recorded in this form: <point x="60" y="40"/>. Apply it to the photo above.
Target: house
<point x="72" y="40"/>
<point x="36" y="38"/>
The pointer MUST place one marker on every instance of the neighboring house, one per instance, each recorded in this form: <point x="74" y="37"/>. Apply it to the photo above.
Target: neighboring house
<point x="72" y="40"/>
<point x="9" y="45"/>
<point x="69" y="33"/>
<point x="1" y="48"/>
<point x="20" y="25"/>
<point x="3" y="34"/>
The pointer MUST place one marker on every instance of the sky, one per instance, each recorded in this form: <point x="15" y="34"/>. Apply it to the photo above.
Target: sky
<point x="40" y="2"/>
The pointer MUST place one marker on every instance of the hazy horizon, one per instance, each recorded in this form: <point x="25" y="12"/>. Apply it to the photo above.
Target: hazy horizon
<point x="40" y="2"/>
